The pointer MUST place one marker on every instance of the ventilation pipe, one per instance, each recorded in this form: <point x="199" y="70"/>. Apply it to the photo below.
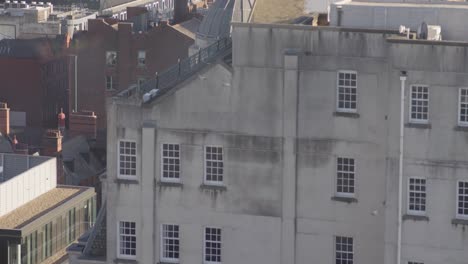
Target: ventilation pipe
<point x="400" y="164"/>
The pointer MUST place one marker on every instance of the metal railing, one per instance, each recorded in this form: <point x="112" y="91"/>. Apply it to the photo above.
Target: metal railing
<point x="179" y="72"/>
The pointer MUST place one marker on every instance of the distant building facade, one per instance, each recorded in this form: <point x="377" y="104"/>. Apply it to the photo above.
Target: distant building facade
<point x="38" y="219"/>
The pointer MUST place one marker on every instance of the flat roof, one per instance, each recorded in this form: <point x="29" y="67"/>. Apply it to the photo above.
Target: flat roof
<point x="277" y="11"/>
<point x="38" y="207"/>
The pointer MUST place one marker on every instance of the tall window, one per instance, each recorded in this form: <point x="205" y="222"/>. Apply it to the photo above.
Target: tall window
<point x="170" y="243"/>
<point x="345" y="172"/>
<point x="141" y="60"/>
<point x="111" y="58"/>
<point x="344" y="252"/>
<point x="170" y="162"/>
<point x="47" y="241"/>
<point x="462" y="199"/>
<point x="212" y="245"/>
<point x="109" y="83"/>
<point x="463" y="107"/>
<point x="419" y="105"/>
<point x="127" y="240"/>
<point x="214" y="165"/>
<point x="417" y="196"/>
<point x="127" y="159"/>
<point x="347" y="91"/>
<point x="71" y="225"/>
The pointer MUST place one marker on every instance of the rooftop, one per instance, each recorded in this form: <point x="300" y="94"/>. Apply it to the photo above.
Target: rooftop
<point x="189" y="27"/>
<point x="14" y="164"/>
<point x="276" y="11"/>
<point x="38" y="207"/>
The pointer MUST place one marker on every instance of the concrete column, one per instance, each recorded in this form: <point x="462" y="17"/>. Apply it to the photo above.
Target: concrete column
<point x="147" y="228"/>
<point x="18" y="253"/>
<point x="290" y="100"/>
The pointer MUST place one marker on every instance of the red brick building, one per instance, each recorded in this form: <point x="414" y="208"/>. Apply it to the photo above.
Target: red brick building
<point x="35" y="79"/>
<point x="113" y="55"/>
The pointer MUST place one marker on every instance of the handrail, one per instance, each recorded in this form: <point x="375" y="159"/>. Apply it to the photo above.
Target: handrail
<point x="179" y="72"/>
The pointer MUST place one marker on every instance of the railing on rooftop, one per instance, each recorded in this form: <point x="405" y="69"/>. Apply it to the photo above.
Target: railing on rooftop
<point x="179" y="72"/>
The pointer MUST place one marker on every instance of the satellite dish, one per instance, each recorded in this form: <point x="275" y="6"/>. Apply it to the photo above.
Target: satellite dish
<point x="422" y="31"/>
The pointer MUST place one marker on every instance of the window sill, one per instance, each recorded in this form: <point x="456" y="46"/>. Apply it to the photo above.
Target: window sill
<point x="166" y="262"/>
<point x="458" y="221"/>
<point x="419" y="125"/>
<point x="125" y="261"/>
<point x="126" y="181"/>
<point x="213" y="187"/>
<point x="344" y="199"/>
<point x="415" y="217"/>
<point x="461" y="128"/>
<point x="346" y="114"/>
<point x="170" y="184"/>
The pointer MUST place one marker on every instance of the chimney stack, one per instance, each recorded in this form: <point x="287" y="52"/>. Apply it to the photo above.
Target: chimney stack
<point x="4" y="119"/>
<point x="52" y="143"/>
<point x="61" y="121"/>
<point x="83" y="123"/>
<point x="181" y="11"/>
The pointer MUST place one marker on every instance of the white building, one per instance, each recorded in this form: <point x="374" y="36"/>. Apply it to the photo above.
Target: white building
<point x="291" y="153"/>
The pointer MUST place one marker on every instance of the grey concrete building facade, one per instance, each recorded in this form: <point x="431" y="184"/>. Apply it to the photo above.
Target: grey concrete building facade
<point x="291" y="154"/>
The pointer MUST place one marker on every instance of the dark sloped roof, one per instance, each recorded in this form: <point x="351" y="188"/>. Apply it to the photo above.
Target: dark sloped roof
<point x="217" y="21"/>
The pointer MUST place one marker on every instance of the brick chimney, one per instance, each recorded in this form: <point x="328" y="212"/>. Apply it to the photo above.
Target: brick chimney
<point x="52" y="143"/>
<point x="61" y="121"/>
<point x="4" y="119"/>
<point x="181" y="11"/>
<point x="83" y="123"/>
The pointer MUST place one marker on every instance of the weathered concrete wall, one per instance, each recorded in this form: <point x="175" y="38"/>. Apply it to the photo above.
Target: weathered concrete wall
<point x="274" y="114"/>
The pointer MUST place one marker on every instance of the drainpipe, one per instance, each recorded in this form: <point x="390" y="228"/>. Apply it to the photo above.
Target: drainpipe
<point x="76" y="83"/>
<point x="339" y="13"/>
<point x="400" y="163"/>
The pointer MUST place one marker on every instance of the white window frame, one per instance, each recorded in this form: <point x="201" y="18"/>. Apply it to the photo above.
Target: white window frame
<point x="165" y="179"/>
<point x="162" y="258"/>
<point x="125" y="176"/>
<point x="124" y="256"/>
<point x="460" y="216"/>
<point x="416" y="212"/>
<point x="108" y="53"/>
<point x="462" y="123"/>
<point x="341" y="251"/>
<point x="205" y="179"/>
<point x="414" y="120"/>
<point x="144" y="58"/>
<point x="204" y="245"/>
<point x="345" y="194"/>
<point x="337" y="89"/>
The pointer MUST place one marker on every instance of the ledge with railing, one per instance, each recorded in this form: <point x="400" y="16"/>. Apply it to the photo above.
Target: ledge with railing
<point x="179" y="72"/>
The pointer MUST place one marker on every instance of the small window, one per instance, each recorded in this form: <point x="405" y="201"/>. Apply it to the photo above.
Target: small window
<point x="111" y="58"/>
<point x="170" y="160"/>
<point x="414" y="262"/>
<point x="347" y="91"/>
<point x="344" y="250"/>
<point x="419" y="105"/>
<point x="214" y="165"/>
<point x="141" y="80"/>
<point x="170" y="243"/>
<point x="127" y="240"/>
<point x="109" y="83"/>
<point x="462" y="199"/>
<point x="417" y="196"/>
<point x="141" y="58"/>
<point x="345" y="176"/>
<point x="127" y="159"/>
<point x="463" y="107"/>
<point x="212" y="250"/>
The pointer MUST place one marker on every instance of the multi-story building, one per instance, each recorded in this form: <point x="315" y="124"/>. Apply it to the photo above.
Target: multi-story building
<point x="317" y="144"/>
<point x="38" y="218"/>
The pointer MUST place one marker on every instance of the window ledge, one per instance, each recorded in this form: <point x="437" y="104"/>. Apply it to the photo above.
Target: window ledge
<point x="458" y="221"/>
<point x="419" y="125"/>
<point x="165" y="262"/>
<point x="415" y="217"/>
<point x="126" y="181"/>
<point x="125" y="261"/>
<point x="346" y="114"/>
<point x="169" y="184"/>
<point x="213" y="187"/>
<point x="344" y="199"/>
<point x="461" y="128"/>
